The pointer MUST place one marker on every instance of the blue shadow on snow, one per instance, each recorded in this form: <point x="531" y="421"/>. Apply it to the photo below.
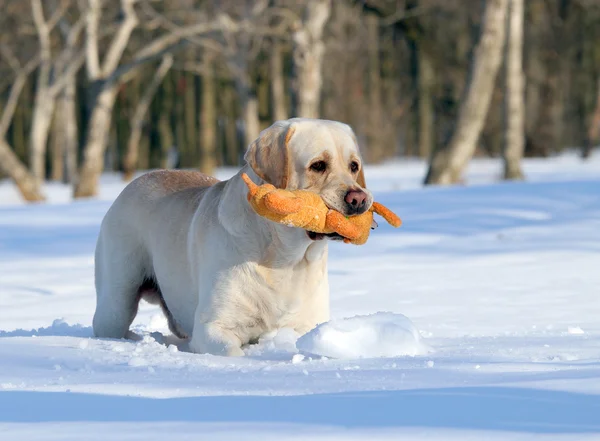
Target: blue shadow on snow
<point x="476" y="408"/>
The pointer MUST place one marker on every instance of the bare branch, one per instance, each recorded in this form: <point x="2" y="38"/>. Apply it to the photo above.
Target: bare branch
<point x="42" y="28"/>
<point x="121" y="39"/>
<point x="15" y="92"/>
<point x="58" y="14"/>
<point x="72" y="68"/>
<point x="12" y="61"/>
<point x="174" y="28"/>
<point x="92" y="54"/>
<point x="401" y="15"/>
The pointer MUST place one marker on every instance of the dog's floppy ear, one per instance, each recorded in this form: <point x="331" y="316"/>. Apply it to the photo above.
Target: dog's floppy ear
<point x="361" y="177"/>
<point x="268" y="155"/>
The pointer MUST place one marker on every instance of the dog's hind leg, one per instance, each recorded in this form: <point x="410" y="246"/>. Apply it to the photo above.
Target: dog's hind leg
<point x="119" y="272"/>
<point x="150" y="292"/>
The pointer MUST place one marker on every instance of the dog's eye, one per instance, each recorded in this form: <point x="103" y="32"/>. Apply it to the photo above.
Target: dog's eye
<point x="319" y="166"/>
<point x="354" y="166"/>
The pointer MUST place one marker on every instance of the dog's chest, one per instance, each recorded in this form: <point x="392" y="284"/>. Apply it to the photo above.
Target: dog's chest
<point x="289" y="294"/>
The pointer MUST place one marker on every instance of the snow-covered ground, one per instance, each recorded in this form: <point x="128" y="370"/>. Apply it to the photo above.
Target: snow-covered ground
<point x="502" y="280"/>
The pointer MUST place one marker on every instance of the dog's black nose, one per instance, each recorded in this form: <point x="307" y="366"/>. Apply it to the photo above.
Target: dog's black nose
<point x="356" y="202"/>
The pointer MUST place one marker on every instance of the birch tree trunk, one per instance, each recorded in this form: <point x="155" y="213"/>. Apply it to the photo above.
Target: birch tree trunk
<point x="278" y="83"/>
<point x="515" y="91"/>
<point x="43" y="110"/>
<point x="426" y="83"/>
<point x="308" y="57"/>
<point x="65" y="141"/>
<point x="68" y="117"/>
<point x="137" y="123"/>
<point x="447" y="165"/>
<point x="10" y="165"/>
<point x="99" y="123"/>
<point x="43" y="106"/>
<point x="95" y="143"/>
<point x="249" y="106"/>
<point x="251" y="121"/>
<point x="57" y="170"/>
<point x="208" y="122"/>
<point x="109" y="73"/>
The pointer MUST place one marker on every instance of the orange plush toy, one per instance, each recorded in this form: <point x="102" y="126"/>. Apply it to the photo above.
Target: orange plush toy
<point x="307" y="210"/>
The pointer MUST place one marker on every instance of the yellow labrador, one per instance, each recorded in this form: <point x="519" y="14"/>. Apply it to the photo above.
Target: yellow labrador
<point x="223" y="275"/>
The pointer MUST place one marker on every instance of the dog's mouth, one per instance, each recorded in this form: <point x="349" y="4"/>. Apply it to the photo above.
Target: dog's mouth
<point x="332" y="236"/>
<point x="320" y="236"/>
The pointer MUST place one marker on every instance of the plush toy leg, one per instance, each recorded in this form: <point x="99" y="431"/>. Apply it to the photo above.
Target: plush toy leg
<point x="339" y="224"/>
<point x="387" y="214"/>
<point x="282" y="204"/>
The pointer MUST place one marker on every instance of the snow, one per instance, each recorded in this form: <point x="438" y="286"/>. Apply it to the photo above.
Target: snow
<point x="382" y="334"/>
<point x="500" y="279"/>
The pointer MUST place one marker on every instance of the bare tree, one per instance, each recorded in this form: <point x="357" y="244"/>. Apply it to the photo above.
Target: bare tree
<point x="107" y="76"/>
<point x="68" y="133"/>
<point x="447" y="165"/>
<point x="208" y="119"/>
<point x="98" y="72"/>
<point x="515" y="93"/>
<point x="277" y="82"/>
<point x="10" y="164"/>
<point x="375" y="134"/>
<point x="309" y="50"/>
<point x="243" y="39"/>
<point x="242" y="44"/>
<point x="139" y="116"/>
<point x="53" y="74"/>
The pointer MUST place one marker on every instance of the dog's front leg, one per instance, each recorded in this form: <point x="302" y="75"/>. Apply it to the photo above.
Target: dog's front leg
<point x="217" y="318"/>
<point x="212" y="338"/>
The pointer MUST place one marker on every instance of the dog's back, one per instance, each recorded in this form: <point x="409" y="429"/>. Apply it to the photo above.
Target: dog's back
<point x="141" y="219"/>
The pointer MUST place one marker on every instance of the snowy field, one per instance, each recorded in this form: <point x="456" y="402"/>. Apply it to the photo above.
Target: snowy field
<point x="501" y="280"/>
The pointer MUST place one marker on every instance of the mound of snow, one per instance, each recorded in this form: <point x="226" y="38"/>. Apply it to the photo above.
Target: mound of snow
<point x="383" y="334"/>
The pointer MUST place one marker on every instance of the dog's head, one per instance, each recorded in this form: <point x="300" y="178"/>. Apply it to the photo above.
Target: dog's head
<point x="316" y="155"/>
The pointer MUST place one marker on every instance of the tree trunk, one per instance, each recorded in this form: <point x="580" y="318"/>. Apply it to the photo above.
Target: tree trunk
<point x="18" y="139"/>
<point x="231" y="131"/>
<point x="308" y="57"/>
<point x="43" y="106"/>
<point x="43" y="110"/>
<point x="68" y="120"/>
<point x="179" y="123"/>
<point x="447" y="165"/>
<point x="251" y="121"/>
<point x="426" y="83"/>
<point x="167" y="138"/>
<point x="97" y="132"/>
<point x="375" y="127"/>
<point x="25" y="181"/>
<point x="249" y="104"/>
<point x="191" y="131"/>
<point x="514" y="95"/>
<point x="10" y="165"/>
<point x="137" y="122"/>
<point x="57" y="170"/>
<point x="278" y="84"/>
<point x="208" y="123"/>
<point x="593" y="132"/>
